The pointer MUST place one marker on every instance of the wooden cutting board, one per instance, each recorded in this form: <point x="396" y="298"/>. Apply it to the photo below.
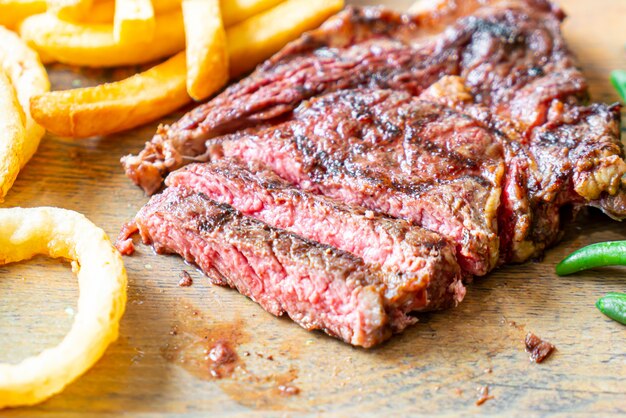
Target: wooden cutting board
<point x="435" y="367"/>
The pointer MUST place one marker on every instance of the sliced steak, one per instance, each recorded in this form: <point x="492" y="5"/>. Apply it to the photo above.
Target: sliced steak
<point x="510" y="52"/>
<point x="318" y="286"/>
<point x="469" y="119"/>
<point x="522" y="79"/>
<point x="422" y="261"/>
<point x="394" y="154"/>
<point x="575" y="157"/>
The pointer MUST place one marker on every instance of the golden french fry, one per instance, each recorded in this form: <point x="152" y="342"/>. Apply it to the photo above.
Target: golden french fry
<point x="29" y="78"/>
<point x="161" y="6"/>
<point x="12" y="135"/>
<point x="235" y="11"/>
<point x="256" y="39"/>
<point x="114" y="107"/>
<point x="102" y="282"/>
<point x="134" y="21"/>
<point x="69" y="9"/>
<point x="104" y="11"/>
<point x="207" y="55"/>
<point x="13" y="12"/>
<point x="94" y="45"/>
<point x="147" y="96"/>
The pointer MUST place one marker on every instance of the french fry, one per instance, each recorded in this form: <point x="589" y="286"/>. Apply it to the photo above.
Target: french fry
<point x="235" y="11"/>
<point x="13" y="12"/>
<point x="207" y="55"/>
<point x="94" y="45"/>
<point x="69" y="9"/>
<point x="29" y="78"/>
<point x="161" y="6"/>
<point x="114" y="107"/>
<point x="12" y="135"/>
<point x="134" y="21"/>
<point x="150" y="95"/>
<point x="259" y="37"/>
<point x="104" y="11"/>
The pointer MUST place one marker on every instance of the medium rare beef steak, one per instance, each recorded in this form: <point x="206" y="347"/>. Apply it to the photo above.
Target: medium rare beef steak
<point x="424" y="262"/>
<point x="572" y="159"/>
<point x="318" y="286"/>
<point x="385" y="145"/>
<point x="510" y="52"/>
<point x="392" y="153"/>
<point x="521" y="77"/>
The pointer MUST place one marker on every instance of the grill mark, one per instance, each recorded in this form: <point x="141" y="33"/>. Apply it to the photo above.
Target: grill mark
<point x="445" y="154"/>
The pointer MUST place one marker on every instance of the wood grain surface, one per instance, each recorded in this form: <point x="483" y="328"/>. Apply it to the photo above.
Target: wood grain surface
<point x="435" y="368"/>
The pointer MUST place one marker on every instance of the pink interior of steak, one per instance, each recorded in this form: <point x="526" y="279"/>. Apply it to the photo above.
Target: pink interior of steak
<point x="424" y="263"/>
<point x="394" y="154"/>
<point x="318" y="286"/>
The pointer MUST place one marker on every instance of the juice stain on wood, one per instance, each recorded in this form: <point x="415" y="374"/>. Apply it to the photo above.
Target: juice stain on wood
<point x="206" y="350"/>
<point x="210" y="351"/>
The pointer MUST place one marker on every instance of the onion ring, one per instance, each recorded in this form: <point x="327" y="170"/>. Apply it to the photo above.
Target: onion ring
<point x="102" y="298"/>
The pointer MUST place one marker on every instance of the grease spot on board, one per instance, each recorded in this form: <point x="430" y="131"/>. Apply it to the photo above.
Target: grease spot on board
<point x="212" y="351"/>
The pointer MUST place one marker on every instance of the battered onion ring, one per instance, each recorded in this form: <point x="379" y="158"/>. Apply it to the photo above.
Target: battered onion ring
<point x="102" y="298"/>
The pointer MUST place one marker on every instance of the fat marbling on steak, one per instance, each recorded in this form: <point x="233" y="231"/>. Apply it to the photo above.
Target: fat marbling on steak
<point x="318" y="286"/>
<point x="424" y="263"/>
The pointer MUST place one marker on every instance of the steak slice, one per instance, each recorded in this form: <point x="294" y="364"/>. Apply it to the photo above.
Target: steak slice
<point x="574" y="157"/>
<point x="394" y="154"/>
<point x="318" y="286"/>
<point x="424" y="262"/>
<point x="509" y="52"/>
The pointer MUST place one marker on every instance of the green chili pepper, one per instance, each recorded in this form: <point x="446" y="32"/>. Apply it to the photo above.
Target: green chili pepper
<point x="613" y="305"/>
<point x="592" y="256"/>
<point x="618" y="78"/>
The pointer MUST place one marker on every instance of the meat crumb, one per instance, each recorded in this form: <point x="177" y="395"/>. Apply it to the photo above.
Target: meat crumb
<point x="125" y="247"/>
<point x="222" y="360"/>
<point x="288" y="390"/>
<point x="124" y="242"/>
<point x="484" y="396"/>
<point x="185" y="279"/>
<point x="221" y="353"/>
<point x="539" y="349"/>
